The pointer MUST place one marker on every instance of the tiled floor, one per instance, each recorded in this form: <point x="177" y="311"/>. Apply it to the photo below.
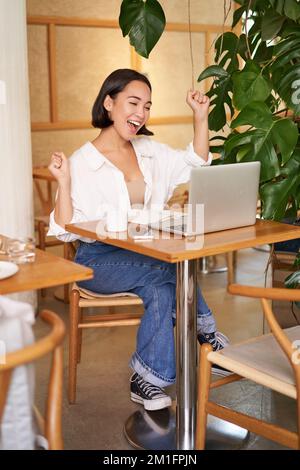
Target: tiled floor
<point x="96" y="421"/>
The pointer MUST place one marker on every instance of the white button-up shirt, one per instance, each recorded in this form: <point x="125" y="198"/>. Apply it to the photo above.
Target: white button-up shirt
<point x="96" y="183"/>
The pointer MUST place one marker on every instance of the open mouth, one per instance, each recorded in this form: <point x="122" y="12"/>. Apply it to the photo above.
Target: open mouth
<point x="134" y="125"/>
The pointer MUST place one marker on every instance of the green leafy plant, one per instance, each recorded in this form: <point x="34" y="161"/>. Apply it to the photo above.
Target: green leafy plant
<point x="144" y="22"/>
<point x="256" y="93"/>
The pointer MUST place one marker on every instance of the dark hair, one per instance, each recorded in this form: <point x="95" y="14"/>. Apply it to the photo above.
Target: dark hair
<point x="112" y="85"/>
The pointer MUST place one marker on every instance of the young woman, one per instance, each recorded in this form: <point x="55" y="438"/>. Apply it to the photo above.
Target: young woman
<point x="119" y="167"/>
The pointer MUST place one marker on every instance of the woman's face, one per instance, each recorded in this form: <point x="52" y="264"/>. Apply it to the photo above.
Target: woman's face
<point x="130" y="109"/>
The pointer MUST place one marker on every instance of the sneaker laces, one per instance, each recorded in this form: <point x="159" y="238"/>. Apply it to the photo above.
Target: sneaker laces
<point x="148" y="388"/>
<point x="217" y="340"/>
<point x="221" y="338"/>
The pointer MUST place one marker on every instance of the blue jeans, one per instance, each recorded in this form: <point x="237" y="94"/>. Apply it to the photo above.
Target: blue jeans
<point x="118" y="270"/>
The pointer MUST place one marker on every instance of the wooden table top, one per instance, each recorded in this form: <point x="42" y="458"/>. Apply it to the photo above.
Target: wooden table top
<point x="42" y="173"/>
<point x="48" y="270"/>
<point x="173" y="249"/>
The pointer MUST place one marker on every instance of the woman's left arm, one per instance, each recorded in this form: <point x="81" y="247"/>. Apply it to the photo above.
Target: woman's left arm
<point x="199" y="103"/>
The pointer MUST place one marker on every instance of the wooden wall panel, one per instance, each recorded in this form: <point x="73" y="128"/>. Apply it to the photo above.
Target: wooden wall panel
<point x="38" y="73"/>
<point x="175" y="135"/>
<point x="202" y="11"/>
<point x="170" y="72"/>
<point x="85" y="56"/>
<point x="44" y="143"/>
<point x="79" y="8"/>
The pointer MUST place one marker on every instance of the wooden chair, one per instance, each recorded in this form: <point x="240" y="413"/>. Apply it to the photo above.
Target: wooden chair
<point x="83" y="298"/>
<point x="271" y="360"/>
<point x="43" y="181"/>
<point x="51" y="424"/>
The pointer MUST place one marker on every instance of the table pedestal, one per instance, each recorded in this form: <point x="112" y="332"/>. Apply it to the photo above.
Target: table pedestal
<point x="156" y="430"/>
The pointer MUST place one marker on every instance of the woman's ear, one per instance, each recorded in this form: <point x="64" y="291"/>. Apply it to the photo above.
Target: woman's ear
<point x="107" y="103"/>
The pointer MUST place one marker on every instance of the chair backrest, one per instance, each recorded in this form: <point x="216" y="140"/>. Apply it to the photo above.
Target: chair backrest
<point x="44" y="184"/>
<point x="52" y="343"/>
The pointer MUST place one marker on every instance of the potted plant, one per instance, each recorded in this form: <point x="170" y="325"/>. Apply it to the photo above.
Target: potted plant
<point x="255" y="93"/>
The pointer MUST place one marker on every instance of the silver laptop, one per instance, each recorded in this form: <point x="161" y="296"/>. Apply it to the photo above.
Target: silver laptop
<point x="220" y="197"/>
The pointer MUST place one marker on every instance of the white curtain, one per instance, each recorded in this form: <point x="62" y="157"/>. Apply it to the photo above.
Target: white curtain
<point x="16" y="205"/>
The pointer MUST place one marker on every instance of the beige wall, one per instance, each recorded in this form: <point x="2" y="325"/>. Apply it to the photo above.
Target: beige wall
<point x="85" y="56"/>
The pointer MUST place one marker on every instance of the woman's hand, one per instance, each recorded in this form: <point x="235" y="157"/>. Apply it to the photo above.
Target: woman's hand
<point x="59" y="167"/>
<point x="199" y="103"/>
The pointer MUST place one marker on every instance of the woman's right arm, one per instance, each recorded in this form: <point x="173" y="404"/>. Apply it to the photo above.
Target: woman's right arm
<point x="63" y="209"/>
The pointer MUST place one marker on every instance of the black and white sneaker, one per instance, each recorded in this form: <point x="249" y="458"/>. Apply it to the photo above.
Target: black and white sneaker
<point x="149" y="395"/>
<point x="218" y="341"/>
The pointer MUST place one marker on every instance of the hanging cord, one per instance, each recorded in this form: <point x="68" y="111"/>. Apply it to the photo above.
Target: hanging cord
<point x="226" y="11"/>
<point x="191" y="44"/>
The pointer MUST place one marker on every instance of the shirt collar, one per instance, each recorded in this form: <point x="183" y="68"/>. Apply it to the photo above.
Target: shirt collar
<point x="93" y="157"/>
<point x="137" y="144"/>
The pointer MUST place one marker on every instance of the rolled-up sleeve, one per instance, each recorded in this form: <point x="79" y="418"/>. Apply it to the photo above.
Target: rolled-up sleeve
<point x="79" y="214"/>
<point x="181" y="163"/>
<point x="59" y="232"/>
<point x="192" y="159"/>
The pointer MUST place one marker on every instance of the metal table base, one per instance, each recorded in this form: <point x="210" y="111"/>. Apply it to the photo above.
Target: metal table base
<point x="156" y="430"/>
<point x="159" y="429"/>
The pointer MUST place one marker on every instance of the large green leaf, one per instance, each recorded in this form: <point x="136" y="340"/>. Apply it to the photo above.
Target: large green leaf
<point x="285" y="136"/>
<point x="249" y="85"/>
<point x="144" y="22"/>
<point x="213" y="71"/>
<point x="254" y="145"/>
<point x="277" y="193"/>
<point x="286" y="52"/>
<point x="271" y="134"/>
<point x="227" y="47"/>
<point x="271" y="24"/>
<point x="263" y="53"/>
<point x="275" y="196"/>
<point x="292" y="9"/>
<point x="219" y="94"/>
<point x="237" y="140"/>
<point x="255" y="114"/>
<point x="220" y="97"/>
<point x="237" y="15"/>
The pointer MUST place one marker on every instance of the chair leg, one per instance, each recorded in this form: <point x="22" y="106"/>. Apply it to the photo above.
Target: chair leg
<point x="203" y="394"/>
<point x="66" y="293"/>
<point x="231" y="263"/>
<point x="42" y="244"/>
<point x="79" y="338"/>
<point x="73" y="344"/>
<point x="66" y="286"/>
